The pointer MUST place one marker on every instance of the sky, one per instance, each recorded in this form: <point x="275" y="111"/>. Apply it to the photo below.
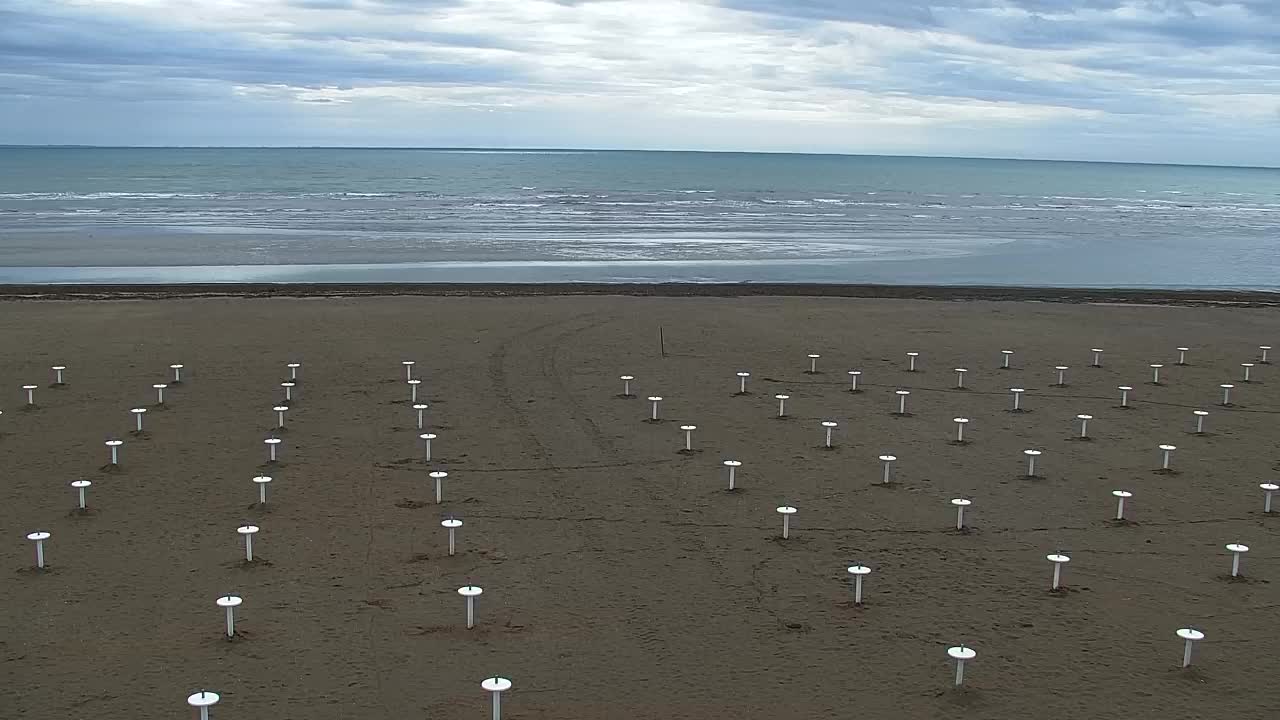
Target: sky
<point x="1124" y="80"/>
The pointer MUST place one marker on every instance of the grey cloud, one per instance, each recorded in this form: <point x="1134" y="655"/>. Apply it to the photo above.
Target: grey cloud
<point x="1135" y="70"/>
<point x="87" y="49"/>
<point x="1206" y="23"/>
<point x="1132" y="64"/>
<point x="373" y="6"/>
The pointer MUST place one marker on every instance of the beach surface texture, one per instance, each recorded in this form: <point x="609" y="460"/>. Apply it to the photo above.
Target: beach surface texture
<point x="621" y="579"/>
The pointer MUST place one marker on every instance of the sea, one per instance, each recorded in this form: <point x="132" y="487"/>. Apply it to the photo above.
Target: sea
<point x="213" y="215"/>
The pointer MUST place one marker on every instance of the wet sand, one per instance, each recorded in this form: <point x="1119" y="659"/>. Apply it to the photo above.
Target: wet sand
<point x="620" y="578"/>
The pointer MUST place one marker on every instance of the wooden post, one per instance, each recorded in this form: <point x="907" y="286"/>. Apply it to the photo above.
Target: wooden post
<point x="662" y="343"/>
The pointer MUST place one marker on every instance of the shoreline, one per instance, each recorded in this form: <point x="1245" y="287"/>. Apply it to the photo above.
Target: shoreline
<point x="1130" y="296"/>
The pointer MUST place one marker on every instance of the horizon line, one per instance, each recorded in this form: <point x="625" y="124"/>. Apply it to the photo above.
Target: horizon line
<point x="495" y="149"/>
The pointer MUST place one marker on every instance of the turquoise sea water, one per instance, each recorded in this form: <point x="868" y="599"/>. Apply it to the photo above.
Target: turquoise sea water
<point x="347" y="215"/>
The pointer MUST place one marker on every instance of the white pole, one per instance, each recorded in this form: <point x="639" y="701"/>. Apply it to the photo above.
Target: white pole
<point x="786" y="511"/>
<point x="961" y="654"/>
<point x="733" y="465"/>
<point x="1236" y="550"/>
<point x="470" y="592"/>
<point x="39" y="537"/>
<point x="1190" y="636"/>
<point x="439" y="477"/>
<point x="1121" y="496"/>
<point x="452" y="524"/>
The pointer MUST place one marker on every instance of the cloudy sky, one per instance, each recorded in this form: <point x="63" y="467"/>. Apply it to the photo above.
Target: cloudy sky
<point x="1142" y="80"/>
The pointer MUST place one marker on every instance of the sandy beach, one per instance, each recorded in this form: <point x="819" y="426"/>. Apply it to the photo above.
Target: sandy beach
<point x="621" y="579"/>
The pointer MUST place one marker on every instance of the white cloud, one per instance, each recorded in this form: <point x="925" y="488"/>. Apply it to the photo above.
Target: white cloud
<point x="875" y="75"/>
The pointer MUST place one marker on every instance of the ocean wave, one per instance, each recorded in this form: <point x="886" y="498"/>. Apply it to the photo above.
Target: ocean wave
<point x="103" y="196"/>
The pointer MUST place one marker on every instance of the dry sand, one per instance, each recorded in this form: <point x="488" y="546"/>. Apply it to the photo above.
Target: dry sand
<point x="621" y="580"/>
